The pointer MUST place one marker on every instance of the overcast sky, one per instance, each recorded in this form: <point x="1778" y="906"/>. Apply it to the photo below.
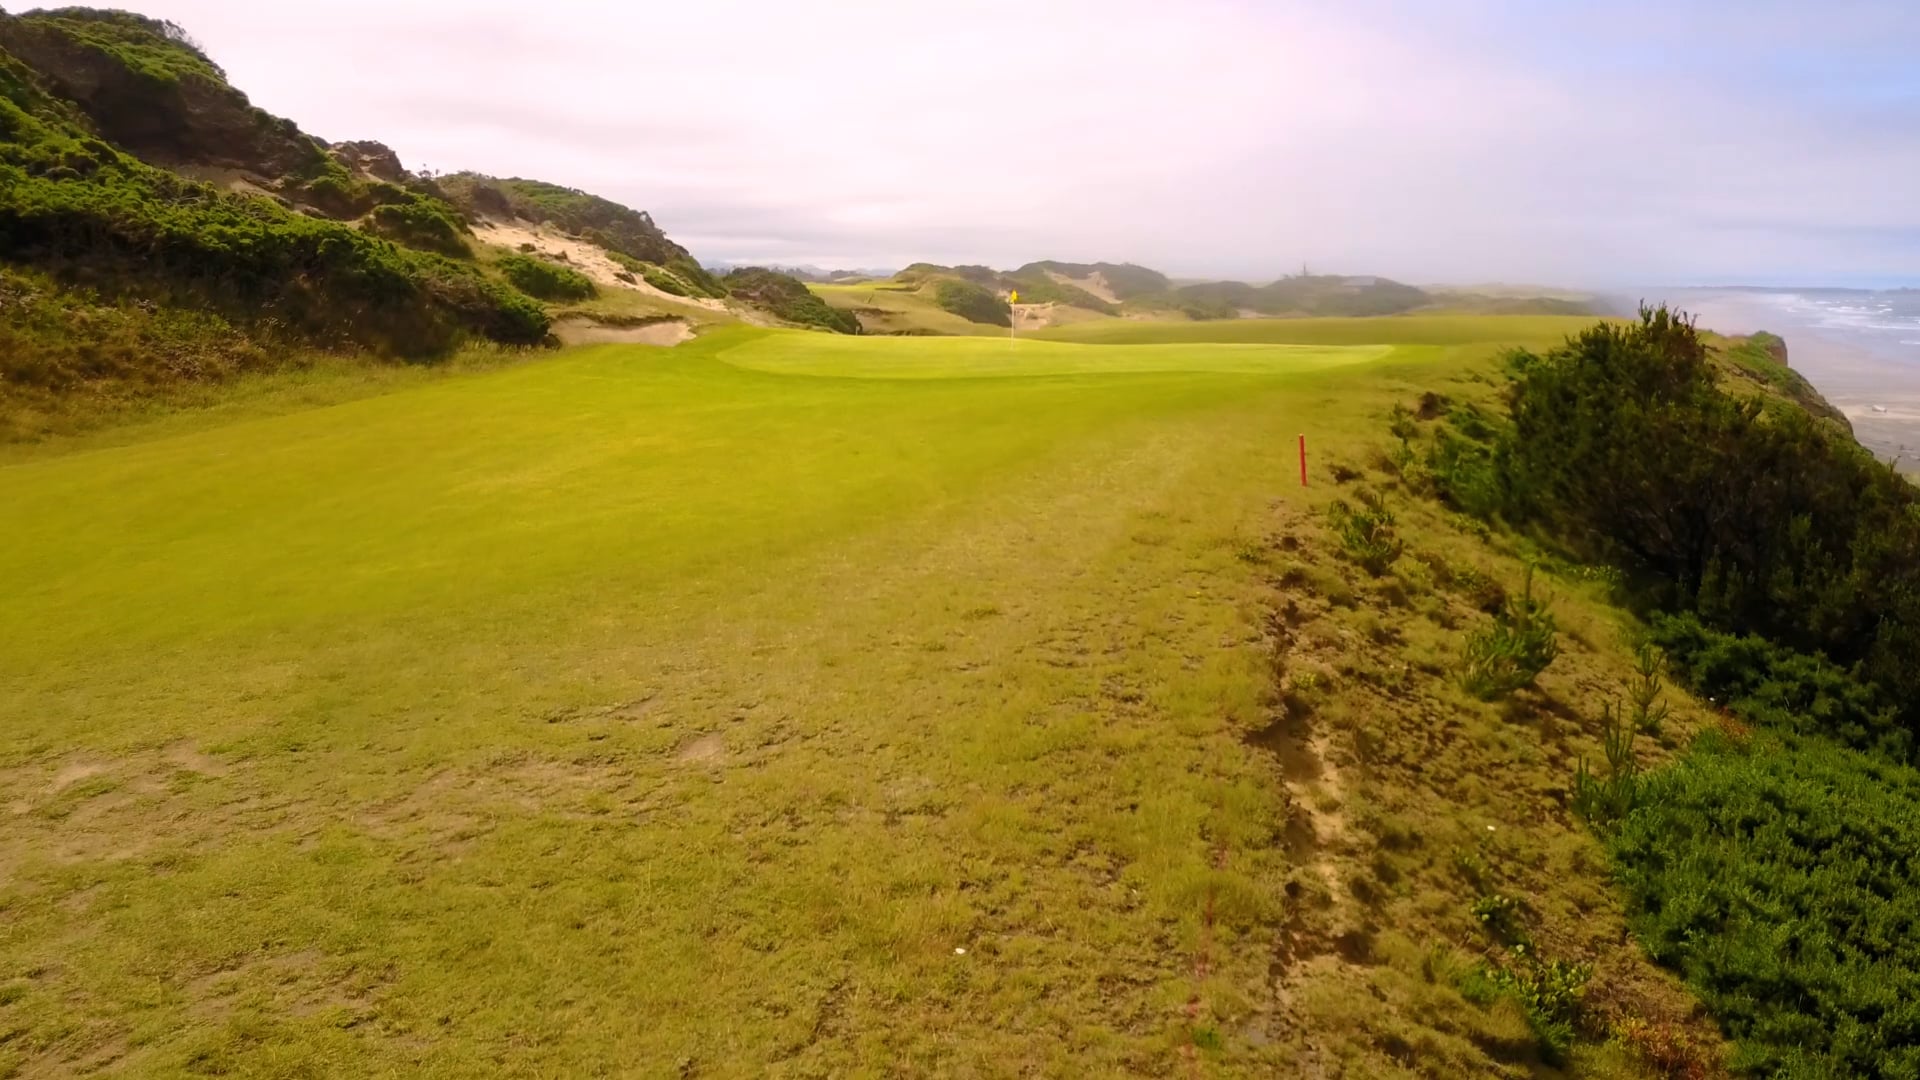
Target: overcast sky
<point x="1430" y="140"/>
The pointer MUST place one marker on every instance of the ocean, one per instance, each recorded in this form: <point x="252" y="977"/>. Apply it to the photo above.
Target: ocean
<point x="1859" y="348"/>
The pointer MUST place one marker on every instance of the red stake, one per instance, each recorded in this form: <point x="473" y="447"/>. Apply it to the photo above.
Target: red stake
<point x="1303" y="461"/>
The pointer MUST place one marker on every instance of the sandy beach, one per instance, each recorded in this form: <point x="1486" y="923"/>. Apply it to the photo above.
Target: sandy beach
<point x="1879" y="393"/>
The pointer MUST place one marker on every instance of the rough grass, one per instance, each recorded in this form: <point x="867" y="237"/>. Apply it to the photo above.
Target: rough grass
<point x="661" y="710"/>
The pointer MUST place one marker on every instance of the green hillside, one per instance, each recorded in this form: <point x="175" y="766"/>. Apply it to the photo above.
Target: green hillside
<point x="105" y="241"/>
<point x="612" y="226"/>
<point x="159" y="233"/>
<point x="1125" y="280"/>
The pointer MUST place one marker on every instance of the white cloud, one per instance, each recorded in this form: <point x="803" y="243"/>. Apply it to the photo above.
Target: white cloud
<point x="1438" y="141"/>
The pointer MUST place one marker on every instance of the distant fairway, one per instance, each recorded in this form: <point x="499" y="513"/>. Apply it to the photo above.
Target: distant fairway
<point x="1385" y="330"/>
<point x="777" y="702"/>
<point x="949" y="358"/>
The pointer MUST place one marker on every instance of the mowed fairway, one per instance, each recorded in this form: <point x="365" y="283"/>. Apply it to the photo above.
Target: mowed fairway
<point x="780" y="703"/>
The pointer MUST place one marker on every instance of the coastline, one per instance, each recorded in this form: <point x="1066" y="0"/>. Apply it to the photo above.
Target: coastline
<point x="1879" y="395"/>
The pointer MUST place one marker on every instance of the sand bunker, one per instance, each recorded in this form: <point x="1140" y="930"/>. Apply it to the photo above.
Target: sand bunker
<point x="577" y="330"/>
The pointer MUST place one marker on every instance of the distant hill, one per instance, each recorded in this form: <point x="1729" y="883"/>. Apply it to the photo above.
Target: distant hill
<point x="1306" y="294"/>
<point x="1120" y="281"/>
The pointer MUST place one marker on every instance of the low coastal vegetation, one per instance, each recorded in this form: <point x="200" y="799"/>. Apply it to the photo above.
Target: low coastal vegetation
<point x="1778" y="566"/>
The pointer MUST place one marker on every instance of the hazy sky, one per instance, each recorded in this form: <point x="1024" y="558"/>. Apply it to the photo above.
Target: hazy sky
<point x="1432" y="140"/>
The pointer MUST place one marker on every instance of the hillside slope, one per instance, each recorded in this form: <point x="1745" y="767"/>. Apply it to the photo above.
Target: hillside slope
<point x="137" y="274"/>
<point x="158" y="231"/>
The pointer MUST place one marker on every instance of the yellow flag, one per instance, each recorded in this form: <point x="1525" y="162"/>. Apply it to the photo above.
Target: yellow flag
<point x="1013" y="296"/>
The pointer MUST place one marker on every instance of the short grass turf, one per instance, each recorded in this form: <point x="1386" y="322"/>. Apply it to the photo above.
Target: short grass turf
<point x="662" y="712"/>
<point x="1386" y="330"/>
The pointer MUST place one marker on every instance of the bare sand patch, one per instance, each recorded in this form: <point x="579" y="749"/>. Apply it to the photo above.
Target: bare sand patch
<point x="704" y="748"/>
<point x="579" y="330"/>
<point x="1095" y="283"/>
<point x="585" y="257"/>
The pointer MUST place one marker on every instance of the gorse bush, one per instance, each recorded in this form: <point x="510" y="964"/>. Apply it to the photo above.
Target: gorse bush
<point x="421" y="223"/>
<point x="1754" y="515"/>
<point x="1366" y="533"/>
<point x="548" y="281"/>
<point x="1511" y="654"/>
<point x="975" y="303"/>
<point x="697" y="276"/>
<point x="663" y="281"/>
<point x="789" y="298"/>
<point x="1775" y="687"/>
<point x="1781" y="881"/>
<point x="81" y="210"/>
<point x="599" y="221"/>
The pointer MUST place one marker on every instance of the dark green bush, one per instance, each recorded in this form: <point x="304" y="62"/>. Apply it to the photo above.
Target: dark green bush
<point x="426" y="224"/>
<point x="697" y="278"/>
<point x="1755" y="515"/>
<point x="548" y="281"/>
<point x="974" y="303"/>
<point x="1778" y="688"/>
<point x="152" y="234"/>
<point x="600" y="221"/>
<point x="789" y="298"/>
<point x="1200" y="310"/>
<point x="664" y="281"/>
<point x="1782" y="881"/>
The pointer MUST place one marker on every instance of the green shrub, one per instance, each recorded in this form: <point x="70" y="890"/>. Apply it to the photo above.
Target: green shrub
<point x="1202" y="310"/>
<point x="697" y="278"/>
<point x="336" y="193"/>
<point x="1605" y="801"/>
<point x="152" y="235"/>
<point x="1499" y="914"/>
<point x="1780" y="880"/>
<point x="1548" y="993"/>
<point x="1511" y="654"/>
<point x="1647" y="697"/>
<point x="1778" y="688"/>
<point x="601" y="221"/>
<point x="974" y="303"/>
<point x="1751" y="513"/>
<point x="60" y="344"/>
<point x="664" y="281"/>
<point x="545" y="280"/>
<point x="789" y="298"/>
<point x="421" y="223"/>
<point x="1366" y="533"/>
